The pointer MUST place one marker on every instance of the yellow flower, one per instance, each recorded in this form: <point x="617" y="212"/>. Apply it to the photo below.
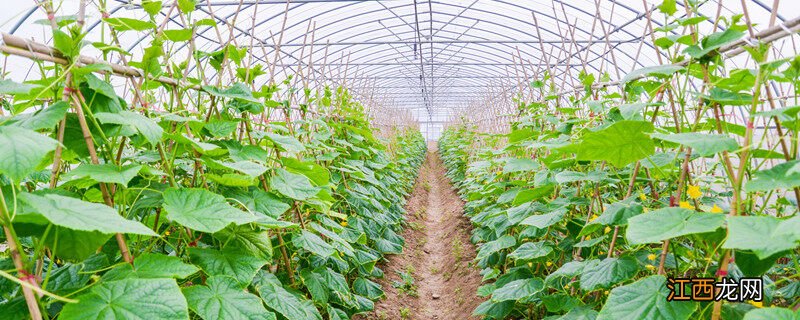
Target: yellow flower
<point x="651" y="257"/>
<point x="594" y="216"/>
<point x="601" y="252"/>
<point x="645" y="210"/>
<point x="588" y="237"/>
<point x="530" y="264"/>
<point x="548" y="263"/>
<point x="650" y="267"/>
<point x="607" y="229"/>
<point x="642" y="196"/>
<point x="716" y="209"/>
<point x="686" y="205"/>
<point x="605" y="292"/>
<point x="343" y="223"/>
<point x="694" y="192"/>
<point x="166" y="233"/>
<point x="757" y="304"/>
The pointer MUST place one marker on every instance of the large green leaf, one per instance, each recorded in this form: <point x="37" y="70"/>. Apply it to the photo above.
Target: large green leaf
<point x="704" y="144"/>
<point x="125" y="24"/>
<point x="759" y="234"/>
<point x="23" y="151"/>
<point x="667" y="223"/>
<point x="618" y="213"/>
<point x="286" y="143"/>
<point x="490" y="247"/>
<point x="46" y="118"/>
<point x="248" y="239"/>
<point x="293" y="185"/>
<point x="518" y="289"/>
<point x="313" y="243"/>
<point x="520" y="165"/>
<point x="713" y="42"/>
<point x="659" y="71"/>
<point x="81" y="215"/>
<point x="239" y="265"/>
<point x="154" y="265"/>
<point x="133" y="299"/>
<point x="621" y="143"/>
<point x="282" y="301"/>
<point x="106" y="173"/>
<point x="238" y="91"/>
<point x="202" y="210"/>
<point x="532" y="250"/>
<point x="10" y="87"/>
<point x="607" y="272"/>
<point x="783" y="176"/>
<point x="542" y="221"/>
<point x="645" y="299"/>
<point x="148" y="128"/>
<point x="222" y="299"/>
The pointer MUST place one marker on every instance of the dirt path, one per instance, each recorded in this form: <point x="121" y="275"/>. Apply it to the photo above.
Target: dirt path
<point x="438" y="255"/>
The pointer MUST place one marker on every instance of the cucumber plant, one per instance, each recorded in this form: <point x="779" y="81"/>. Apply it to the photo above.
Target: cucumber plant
<point x="590" y="203"/>
<point x="190" y="200"/>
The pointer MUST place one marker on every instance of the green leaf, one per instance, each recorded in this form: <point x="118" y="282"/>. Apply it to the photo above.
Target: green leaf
<point x="520" y="165"/>
<point x="542" y="221"/>
<point x="237" y="91"/>
<point x="239" y="265"/>
<point x="621" y="143"/>
<point x="106" y="173"/>
<point x="759" y="234"/>
<point x="81" y="215"/>
<point x="187" y="6"/>
<point x="313" y="243"/>
<point x="667" y="223"/>
<point x="133" y="299"/>
<point x="772" y="314"/>
<point x="367" y="288"/>
<point x="249" y="168"/>
<point x="23" y="151"/>
<point x="660" y="71"/>
<point x="13" y="88"/>
<point x="668" y="7"/>
<point x="783" y="176"/>
<point x="178" y="35"/>
<point x="727" y="98"/>
<point x="125" y="24"/>
<point x="154" y="265"/>
<point x="532" y="250"/>
<point x="713" y="42"/>
<point x="46" y="118"/>
<point x="490" y="247"/>
<point x="518" y="289"/>
<point x="152" y="7"/>
<point x="221" y="299"/>
<point x="703" y="144"/>
<point x="286" y="143"/>
<point x="645" y="299"/>
<point x="282" y="301"/>
<point x="607" y="272"/>
<point x="148" y="128"/>
<point x="292" y="185"/>
<point x="247" y="238"/>
<point x="202" y="210"/>
<point x="618" y="213"/>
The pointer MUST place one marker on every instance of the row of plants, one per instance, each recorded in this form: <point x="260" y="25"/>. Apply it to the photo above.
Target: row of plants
<point x="587" y="206"/>
<point x="214" y="219"/>
<point x="190" y="200"/>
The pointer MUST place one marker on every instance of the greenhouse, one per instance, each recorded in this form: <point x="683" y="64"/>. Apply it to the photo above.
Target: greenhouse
<point x="400" y="159"/>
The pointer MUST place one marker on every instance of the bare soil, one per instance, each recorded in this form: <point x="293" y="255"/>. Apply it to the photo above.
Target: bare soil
<point x="438" y="254"/>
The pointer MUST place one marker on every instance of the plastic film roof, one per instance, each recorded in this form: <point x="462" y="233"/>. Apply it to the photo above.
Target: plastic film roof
<point x="432" y="58"/>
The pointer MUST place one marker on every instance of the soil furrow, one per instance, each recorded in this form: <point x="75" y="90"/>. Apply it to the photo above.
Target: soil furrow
<point x="438" y="255"/>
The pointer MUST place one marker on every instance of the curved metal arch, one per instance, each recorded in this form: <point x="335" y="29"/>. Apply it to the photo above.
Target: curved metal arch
<point x="451" y="15"/>
<point x="502" y="57"/>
